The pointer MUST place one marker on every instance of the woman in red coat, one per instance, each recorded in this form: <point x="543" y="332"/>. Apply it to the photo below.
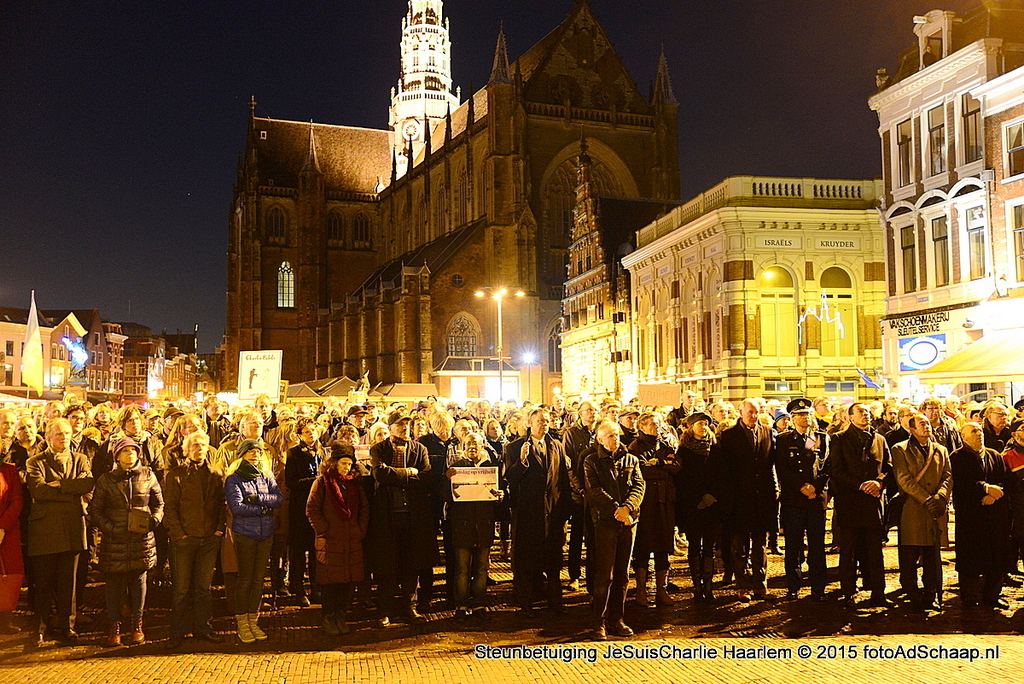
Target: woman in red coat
<point x="10" y="541"/>
<point x="339" y="514"/>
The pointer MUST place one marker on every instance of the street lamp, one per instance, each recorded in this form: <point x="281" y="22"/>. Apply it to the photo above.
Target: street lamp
<point x="498" y="294"/>
<point x="529" y="358"/>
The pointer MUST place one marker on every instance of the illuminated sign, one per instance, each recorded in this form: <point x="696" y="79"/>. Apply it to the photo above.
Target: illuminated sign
<point x="923" y="351"/>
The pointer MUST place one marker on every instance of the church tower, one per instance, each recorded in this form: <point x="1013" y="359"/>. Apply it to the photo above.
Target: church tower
<point x="424" y="92"/>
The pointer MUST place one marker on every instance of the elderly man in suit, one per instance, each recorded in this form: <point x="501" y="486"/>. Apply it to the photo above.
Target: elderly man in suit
<point x="539" y="486"/>
<point x="747" y="453"/>
<point x="925" y="478"/>
<point x="59" y="481"/>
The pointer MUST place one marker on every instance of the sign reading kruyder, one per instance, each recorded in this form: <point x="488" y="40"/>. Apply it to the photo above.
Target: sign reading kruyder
<point x="259" y="372"/>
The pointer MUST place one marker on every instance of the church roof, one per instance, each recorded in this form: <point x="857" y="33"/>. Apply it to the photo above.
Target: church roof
<point x="434" y="255"/>
<point x="351" y="158"/>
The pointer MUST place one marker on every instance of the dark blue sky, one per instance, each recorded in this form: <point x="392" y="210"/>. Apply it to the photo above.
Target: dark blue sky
<point x="120" y="122"/>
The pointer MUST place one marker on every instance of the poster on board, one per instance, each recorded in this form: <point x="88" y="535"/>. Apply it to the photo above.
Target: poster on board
<point x="475" y="484"/>
<point x="259" y="372"/>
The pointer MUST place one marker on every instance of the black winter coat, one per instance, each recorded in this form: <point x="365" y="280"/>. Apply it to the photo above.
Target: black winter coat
<point x="116" y="492"/>
<point x="749" y="490"/>
<point x="658" y="510"/>
<point x="855" y="459"/>
<point x="300" y="472"/>
<point x="699" y="474"/>
<point x="982" y="532"/>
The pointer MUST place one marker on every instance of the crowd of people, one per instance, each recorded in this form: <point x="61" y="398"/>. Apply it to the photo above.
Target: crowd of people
<point x="342" y="502"/>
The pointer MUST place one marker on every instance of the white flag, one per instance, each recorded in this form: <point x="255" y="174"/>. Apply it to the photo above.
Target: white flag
<point x="32" y="355"/>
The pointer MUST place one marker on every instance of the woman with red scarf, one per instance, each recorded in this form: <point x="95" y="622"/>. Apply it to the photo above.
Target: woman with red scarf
<point x="339" y="514"/>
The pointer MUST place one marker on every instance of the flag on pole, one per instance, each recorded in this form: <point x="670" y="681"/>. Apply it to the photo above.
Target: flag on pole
<point x="867" y="380"/>
<point x="32" y="356"/>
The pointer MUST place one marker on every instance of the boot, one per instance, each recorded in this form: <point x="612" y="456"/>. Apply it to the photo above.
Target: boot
<point x="662" y="597"/>
<point x="244" y="630"/>
<point x="709" y="592"/>
<point x="342" y="621"/>
<point x="257" y="633"/>
<point x="330" y="625"/>
<point x="114" y="634"/>
<point x="138" y="636"/>
<point x="505" y="546"/>
<point x="640" y="597"/>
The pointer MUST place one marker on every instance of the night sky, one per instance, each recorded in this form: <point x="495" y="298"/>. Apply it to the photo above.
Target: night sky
<point x="121" y="122"/>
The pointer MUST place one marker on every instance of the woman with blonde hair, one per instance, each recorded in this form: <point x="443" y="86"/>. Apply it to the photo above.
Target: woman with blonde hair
<point x="184" y="425"/>
<point x="377" y="433"/>
<point x="252" y="494"/>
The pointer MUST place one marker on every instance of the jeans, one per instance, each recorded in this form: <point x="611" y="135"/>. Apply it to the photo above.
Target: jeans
<point x="701" y="540"/>
<point x="54" y="577"/>
<point x="613" y="546"/>
<point x="252" y="558"/>
<point x="192" y="574"/>
<point x="470" y="576"/>
<point x="796" y="522"/>
<point x="750" y="560"/>
<point x="397" y="584"/>
<point x="121" y="584"/>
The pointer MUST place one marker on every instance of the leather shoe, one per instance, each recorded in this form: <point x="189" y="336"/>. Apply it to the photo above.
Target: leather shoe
<point x="599" y="633"/>
<point x="818" y="596"/>
<point x="792" y="595"/>
<point x="1000" y="603"/>
<point x="620" y="629"/>
<point x="849" y="602"/>
<point x="743" y="597"/>
<point x="384" y="621"/>
<point x="529" y="612"/>
<point x="174" y="643"/>
<point x="212" y="637"/>
<point x="879" y="602"/>
<point x="302" y="600"/>
<point x="414" y="615"/>
<point x="68" y="637"/>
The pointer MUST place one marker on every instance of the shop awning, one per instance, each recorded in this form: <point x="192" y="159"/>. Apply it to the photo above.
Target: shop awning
<point x="996" y="357"/>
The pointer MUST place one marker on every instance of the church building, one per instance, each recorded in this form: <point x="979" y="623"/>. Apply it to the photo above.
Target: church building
<point x="360" y="250"/>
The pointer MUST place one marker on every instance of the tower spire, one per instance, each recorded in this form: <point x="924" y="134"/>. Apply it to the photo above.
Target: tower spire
<point x="663" y="82"/>
<point x="499" y="67"/>
<point x="312" y="163"/>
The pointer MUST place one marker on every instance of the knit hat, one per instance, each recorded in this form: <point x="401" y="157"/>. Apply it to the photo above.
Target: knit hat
<point x="123" y="443"/>
<point x="246" y="446"/>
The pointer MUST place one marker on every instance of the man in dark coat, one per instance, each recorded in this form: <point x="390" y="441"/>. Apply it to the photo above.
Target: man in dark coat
<point x="801" y="461"/>
<point x="300" y="471"/>
<point x="615" y="489"/>
<point x="1013" y="457"/>
<point x="860" y="471"/>
<point x="995" y="421"/>
<point x="980" y="487"/>
<point x="749" y="495"/>
<point x="577" y="440"/>
<point x="538" y="478"/>
<point x="401" y="531"/>
<point x="217" y="426"/>
<point x="439" y="443"/>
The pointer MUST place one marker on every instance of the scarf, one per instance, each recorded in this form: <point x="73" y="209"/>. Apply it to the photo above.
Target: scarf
<point x="347" y="509"/>
<point x="699" y="446"/>
<point x="247" y="471"/>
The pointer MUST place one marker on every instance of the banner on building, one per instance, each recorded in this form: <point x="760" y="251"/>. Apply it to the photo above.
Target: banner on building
<point x="259" y="372"/>
<point x="658" y="394"/>
<point x="475" y="484"/>
<point x="922" y="351"/>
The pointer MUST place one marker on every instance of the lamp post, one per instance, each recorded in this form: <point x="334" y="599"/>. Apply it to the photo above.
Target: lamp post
<point x="529" y="358"/>
<point x="498" y="294"/>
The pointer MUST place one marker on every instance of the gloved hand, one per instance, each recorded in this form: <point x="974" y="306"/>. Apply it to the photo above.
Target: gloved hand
<point x="251" y="499"/>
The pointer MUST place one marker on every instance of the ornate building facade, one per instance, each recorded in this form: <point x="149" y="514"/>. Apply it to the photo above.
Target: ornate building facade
<point x="761" y="287"/>
<point x="951" y="126"/>
<point x="360" y="250"/>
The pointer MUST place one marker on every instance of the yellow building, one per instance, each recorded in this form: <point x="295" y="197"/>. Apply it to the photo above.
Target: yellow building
<point x="761" y="286"/>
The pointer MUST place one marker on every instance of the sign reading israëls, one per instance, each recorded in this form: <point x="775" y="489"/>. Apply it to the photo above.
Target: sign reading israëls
<point x="779" y="242"/>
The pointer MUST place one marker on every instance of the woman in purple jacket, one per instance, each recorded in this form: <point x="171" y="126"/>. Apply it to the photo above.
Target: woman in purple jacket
<point x="251" y="494"/>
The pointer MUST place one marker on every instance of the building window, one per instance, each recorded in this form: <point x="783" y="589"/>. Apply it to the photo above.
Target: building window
<point x="940" y="250"/>
<point x="976" y="242"/>
<point x="277" y="226"/>
<point x="836" y="319"/>
<point x="9" y="348"/>
<point x="462" y="336"/>
<point x="555" y="350"/>
<point x="462" y="199"/>
<point x="335" y="229"/>
<point x="675" y="289"/>
<point x="972" y="128"/>
<point x="1015" y="149"/>
<point x="285" y="286"/>
<point x="908" y="245"/>
<point x="778" y="312"/>
<point x="361" y="232"/>
<point x="1018" y="239"/>
<point x="904" y="146"/>
<point x="937" y="139"/>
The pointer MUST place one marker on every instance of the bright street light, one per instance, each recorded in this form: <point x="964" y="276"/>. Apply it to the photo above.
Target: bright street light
<point x="498" y="294"/>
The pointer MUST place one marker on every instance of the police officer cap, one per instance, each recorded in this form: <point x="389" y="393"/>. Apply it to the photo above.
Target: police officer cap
<point x="800" y="405"/>
<point x="694" y="417"/>
<point x="1019" y="405"/>
<point x="1016" y="425"/>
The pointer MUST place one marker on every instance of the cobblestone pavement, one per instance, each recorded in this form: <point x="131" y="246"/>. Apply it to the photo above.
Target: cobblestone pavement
<point x="297" y="651"/>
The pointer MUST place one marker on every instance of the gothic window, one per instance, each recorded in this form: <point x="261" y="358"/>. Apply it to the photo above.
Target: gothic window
<point x="277" y="226"/>
<point x="361" y="232"/>
<point x="335" y="229"/>
<point x="462" y="199"/>
<point x="463" y="334"/>
<point x="555" y="349"/>
<point x="285" y="286"/>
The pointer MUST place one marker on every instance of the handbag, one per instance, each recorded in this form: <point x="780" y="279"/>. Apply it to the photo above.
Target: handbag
<point x="10" y="588"/>
<point x="138" y="520"/>
<point x="894" y="506"/>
